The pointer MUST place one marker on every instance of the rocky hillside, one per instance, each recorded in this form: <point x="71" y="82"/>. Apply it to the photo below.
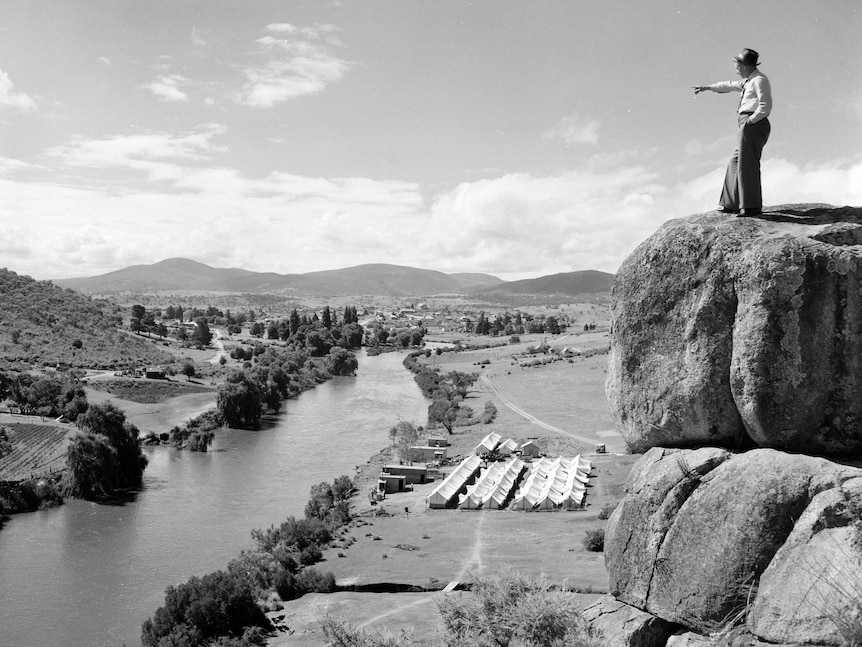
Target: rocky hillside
<point x="739" y="340"/>
<point x="42" y="324"/>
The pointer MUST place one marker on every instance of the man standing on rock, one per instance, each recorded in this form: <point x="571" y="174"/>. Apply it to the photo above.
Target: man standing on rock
<point x="742" y="180"/>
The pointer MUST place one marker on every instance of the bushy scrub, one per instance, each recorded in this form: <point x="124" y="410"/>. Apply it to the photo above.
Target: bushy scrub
<point x="197" y="434"/>
<point x="26" y="496"/>
<point x="594" y="540"/>
<point x="508" y="609"/>
<point x="205" y="608"/>
<point x="606" y="511"/>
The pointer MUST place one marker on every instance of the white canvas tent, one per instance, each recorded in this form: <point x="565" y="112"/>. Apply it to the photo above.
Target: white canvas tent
<point x="493" y="486"/>
<point x="554" y="484"/>
<point x="453" y="484"/>
<point x="487" y="444"/>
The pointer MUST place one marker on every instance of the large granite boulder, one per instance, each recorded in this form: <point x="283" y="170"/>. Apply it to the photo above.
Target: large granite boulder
<point x="697" y="528"/>
<point x="732" y="330"/>
<point x="811" y="593"/>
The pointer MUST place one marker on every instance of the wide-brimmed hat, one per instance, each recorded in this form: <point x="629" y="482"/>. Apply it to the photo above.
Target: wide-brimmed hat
<point x="747" y="57"/>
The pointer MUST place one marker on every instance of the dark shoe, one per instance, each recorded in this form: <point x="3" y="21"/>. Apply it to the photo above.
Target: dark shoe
<point x="723" y="209"/>
<point x="751" y="212"/>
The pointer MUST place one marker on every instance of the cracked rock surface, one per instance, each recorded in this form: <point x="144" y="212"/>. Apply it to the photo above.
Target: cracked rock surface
<point x="698" y="528"/>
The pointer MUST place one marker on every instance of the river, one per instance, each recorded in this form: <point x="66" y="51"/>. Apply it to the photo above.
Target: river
<point x="88" y="575"/>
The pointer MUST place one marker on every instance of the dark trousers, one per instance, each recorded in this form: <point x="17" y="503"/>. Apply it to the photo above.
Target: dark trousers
<point x="742" y="180"/>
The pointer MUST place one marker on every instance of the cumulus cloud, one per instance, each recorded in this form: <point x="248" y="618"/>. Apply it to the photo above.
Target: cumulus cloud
<point x="167" y="87"/>
<point x="11" y="99"/>
<point x="516" y="225"/>
<point x="833" y="182"/>
<point x="291" y="67"/>
<point x="575" y="130"/>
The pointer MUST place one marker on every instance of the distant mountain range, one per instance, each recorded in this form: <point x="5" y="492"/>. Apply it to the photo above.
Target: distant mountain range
<point x="378" y="279"/>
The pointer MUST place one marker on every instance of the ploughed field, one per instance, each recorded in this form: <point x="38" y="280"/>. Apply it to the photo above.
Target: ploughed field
<point x="38" y="449"/>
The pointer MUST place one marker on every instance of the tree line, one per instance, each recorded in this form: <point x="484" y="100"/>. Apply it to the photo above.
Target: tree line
<point x="50" y="395"/>
<point x="221" y="608"/>
<point x="517" y="324"/>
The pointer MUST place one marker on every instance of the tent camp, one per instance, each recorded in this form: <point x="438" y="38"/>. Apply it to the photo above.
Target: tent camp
<point x="455" y="483"/>
<point x="550" y="484"/>
<point x="473" y="498"/>
<point x="497" y="497"/>
<point x="488" y="444"/>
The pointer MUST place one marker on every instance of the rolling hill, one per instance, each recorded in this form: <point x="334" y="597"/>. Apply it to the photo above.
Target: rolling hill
<point x="568" y="284"/>
<point x="371" y="279"/>
<point x="374" y="279"/>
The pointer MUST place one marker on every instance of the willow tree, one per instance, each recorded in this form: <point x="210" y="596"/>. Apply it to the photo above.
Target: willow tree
<point x="105" y="456"/>
<point x="240" y="401"/>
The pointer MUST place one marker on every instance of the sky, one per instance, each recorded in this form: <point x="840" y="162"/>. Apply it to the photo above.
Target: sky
<point x="518" y="139"/>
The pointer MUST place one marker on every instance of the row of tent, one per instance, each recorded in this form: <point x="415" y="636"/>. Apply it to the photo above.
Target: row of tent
<point x="494" y="442"/>
<point x="554" y="483"/>
<point x="547" y="484"/>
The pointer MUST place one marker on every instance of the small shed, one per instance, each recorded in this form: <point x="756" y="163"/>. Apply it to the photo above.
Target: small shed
<point x="438" y="441"/>
<point x="154" y="373"/>
<point x="507" y="447"/>
<point x="530" y="448"/>
<point x="427" y="453"/>
<point x="412" y="473"/>
<point x="391" y="483"/>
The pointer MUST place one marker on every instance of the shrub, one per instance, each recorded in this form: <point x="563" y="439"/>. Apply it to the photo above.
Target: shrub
<point x="513" y="609"/>
<point x="594" y="540"/>
<point x="342" y="634"/>
<point x="489" y="413"/>
<point x="310" y="555"/>
<point x="285" y="585"/>
<point x="606" y="511"/>
<point x="194" y="613"/>
<point x="313" y="581"/>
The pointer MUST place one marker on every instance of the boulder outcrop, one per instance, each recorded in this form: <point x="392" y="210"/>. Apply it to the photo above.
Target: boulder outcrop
<point x="728" y="331"/>
<point x="622" y="625"/>
<point x="699" y="529"/>
<point x="811" y="593"/>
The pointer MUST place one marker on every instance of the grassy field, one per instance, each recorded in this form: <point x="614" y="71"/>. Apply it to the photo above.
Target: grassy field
<point x="146" y="391"/>
<point x="562" y="405"/>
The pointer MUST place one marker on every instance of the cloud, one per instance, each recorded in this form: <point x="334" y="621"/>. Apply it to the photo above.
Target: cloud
<point x="832" y="183"/>
<point x="516" y="225"/>
<point x="104" y="60"/>
<point x="166" y="87"/>
<point x="291" y="68"/>
<point x="158" y="155"/>
<point x="11" y="99"/>
<point x="575" y="130"/>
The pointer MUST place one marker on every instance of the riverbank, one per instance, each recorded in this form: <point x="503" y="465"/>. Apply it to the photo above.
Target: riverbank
<point x="399" y="544"/>
<point x="103" y="569"/>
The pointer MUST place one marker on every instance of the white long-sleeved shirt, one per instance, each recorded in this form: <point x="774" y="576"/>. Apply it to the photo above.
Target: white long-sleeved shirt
<point x="756" y="95"/>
